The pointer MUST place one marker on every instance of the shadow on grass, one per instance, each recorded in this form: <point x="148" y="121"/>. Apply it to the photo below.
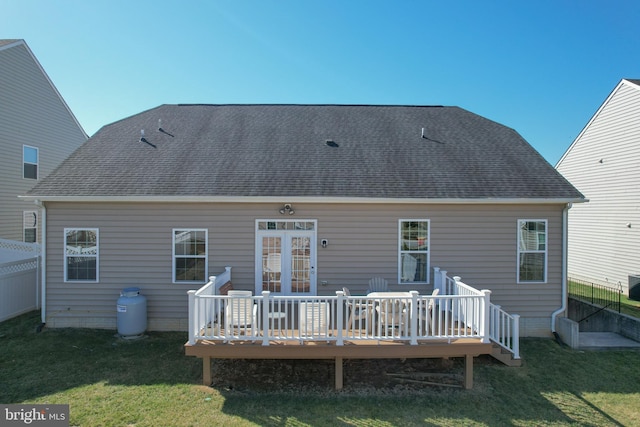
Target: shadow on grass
<point x="555" y="385"/>
<point x="34" y="364"/>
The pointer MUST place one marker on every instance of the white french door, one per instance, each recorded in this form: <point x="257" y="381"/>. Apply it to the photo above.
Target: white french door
<point x="286" y="257"/>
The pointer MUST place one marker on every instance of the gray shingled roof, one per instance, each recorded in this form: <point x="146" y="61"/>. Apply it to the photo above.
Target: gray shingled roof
<point x="281" y="150"/>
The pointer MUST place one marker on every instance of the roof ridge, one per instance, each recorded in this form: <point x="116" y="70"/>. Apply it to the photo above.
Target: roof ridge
<point x="306" y="105"/>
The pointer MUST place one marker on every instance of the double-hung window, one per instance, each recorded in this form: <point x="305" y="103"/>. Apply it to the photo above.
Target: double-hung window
<point x="189" y="255"/>
<point x="532" y="250"/>
<point x="81" y="254"/>
<point x="413" y="254"/>
<point x="29" y="162"/>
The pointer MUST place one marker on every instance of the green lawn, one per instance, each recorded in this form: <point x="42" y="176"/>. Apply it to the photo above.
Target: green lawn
<point x="149" y="382"/>
<point x="584" y="291"/>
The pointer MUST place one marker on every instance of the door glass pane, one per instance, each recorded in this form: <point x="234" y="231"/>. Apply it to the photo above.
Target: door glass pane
<point x="271" y="263"/>
<point x="300" y="264"/>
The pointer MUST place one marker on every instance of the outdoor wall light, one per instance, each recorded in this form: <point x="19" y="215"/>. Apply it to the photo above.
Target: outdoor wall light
<point x="287" y="209"/>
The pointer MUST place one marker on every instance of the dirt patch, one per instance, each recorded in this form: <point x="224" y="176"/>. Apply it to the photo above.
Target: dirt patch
<point x="383" y="375"/>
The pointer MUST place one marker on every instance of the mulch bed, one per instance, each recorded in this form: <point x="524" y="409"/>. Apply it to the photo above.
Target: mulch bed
<point x="383" y="375"/>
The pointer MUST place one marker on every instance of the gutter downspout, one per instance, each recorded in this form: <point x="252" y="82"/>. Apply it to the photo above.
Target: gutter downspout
<point x="565" y="239"/>
<point x="43" y="261"/>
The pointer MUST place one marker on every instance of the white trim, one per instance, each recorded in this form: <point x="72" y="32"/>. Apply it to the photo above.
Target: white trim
<point x="55" y="90"/>
<point x="278" y="200"/>
<point x="428" y="251"/>
<point x="564" y="284"/>
<point x="43" y="262"/>
<point x="546" y="251"/>
<point x="96" y="256"/>
<point x="205" y="256"/>
<point x="286" y="275"/>
<point x="622" y="82"/>
<point x="15" y="43"/>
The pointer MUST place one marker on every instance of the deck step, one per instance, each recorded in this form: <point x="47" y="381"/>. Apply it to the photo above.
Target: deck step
<point x="504" y="356"/>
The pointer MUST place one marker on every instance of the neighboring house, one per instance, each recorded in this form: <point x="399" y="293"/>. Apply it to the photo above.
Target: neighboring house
<point x="301" y="200"/>
<point x="37" y="132"/>
<point x="604" y="163"/>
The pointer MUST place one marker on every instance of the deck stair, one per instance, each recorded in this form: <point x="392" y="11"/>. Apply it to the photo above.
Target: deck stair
<point x="505" y="356"/>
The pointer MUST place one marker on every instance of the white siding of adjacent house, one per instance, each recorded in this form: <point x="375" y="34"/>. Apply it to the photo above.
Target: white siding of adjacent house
<point x="31" y="113"/>
<point x="604" y="164"/>
<point x="477" y="242"/>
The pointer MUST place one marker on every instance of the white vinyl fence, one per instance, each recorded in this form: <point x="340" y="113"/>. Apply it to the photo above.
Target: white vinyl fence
<point x="19" y="278"/>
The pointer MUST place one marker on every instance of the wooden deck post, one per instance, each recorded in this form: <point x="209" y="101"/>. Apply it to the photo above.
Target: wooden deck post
<point x="468" y="372"/>
<point x="339" y="373"/>
<point x="207" y="379"/>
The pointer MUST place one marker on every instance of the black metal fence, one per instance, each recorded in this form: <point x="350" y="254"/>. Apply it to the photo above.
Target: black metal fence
<point x="602" y="295"/>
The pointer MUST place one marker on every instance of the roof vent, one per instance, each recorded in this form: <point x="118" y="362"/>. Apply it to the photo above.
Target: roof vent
<point x="331" y="143"/>
<point x="143" y="139"/>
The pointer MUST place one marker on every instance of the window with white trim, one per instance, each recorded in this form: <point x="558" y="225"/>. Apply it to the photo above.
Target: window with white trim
<point x="81" y="254"/>
<point x="29" y="162"/>
<point x="29" y="226"/>
<point x="532" y="250"/>
<point x="190" y="262"/>
<point x="413" y="254"/>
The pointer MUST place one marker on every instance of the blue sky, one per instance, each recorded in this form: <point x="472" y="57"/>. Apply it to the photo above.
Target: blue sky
<point x="540" y="67"/>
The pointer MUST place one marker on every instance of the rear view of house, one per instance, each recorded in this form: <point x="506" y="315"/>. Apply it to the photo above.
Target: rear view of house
<point x="37" y="132"/>
<point x="302" y="200"/>
<point x="603" y="162"/>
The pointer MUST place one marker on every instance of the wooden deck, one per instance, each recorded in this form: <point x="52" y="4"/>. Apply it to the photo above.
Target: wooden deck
<point x="454" y="323"/>
<point x="468" y="348"/>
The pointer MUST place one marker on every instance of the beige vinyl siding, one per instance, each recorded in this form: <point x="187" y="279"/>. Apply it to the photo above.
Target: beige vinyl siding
<point x="604" y="164"/>
<point x="31" y="113"/>
<point x="477" y="242"/>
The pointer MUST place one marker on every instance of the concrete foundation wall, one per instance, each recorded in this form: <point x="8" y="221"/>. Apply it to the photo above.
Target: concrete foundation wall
<point x="569" y="332"/>
<point x="603" y="321"/>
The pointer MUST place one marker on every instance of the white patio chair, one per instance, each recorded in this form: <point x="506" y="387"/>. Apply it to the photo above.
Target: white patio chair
<point x="358" y="311"/>
<point x="313" y="320"/>
<point x="240" y="314"/>
<point x="378" y="284"/>
<point x="392" y="314"/>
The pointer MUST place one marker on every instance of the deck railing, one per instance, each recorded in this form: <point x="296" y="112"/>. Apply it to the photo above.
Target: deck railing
<point x="203" y="312"/>
<point x="504" y="328"/>
<point x="457" y="311"/>
<point x="267" y="318"/>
